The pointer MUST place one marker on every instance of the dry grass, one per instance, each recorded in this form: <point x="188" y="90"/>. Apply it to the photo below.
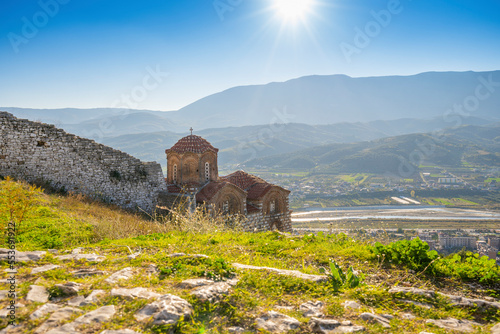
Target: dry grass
<point x="112" y="222"/>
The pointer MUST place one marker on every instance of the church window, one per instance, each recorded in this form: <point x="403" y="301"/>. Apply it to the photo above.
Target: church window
<point x="225" y="207"/>
<point x="175" y="174"/>
<point x="207" y="171"/>
<point x="272" y="206"/>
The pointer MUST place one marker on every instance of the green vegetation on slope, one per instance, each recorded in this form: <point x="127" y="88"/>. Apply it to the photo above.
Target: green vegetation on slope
<point x="108" y="232"/>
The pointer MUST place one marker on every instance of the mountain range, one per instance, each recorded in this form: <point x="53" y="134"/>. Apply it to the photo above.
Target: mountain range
<point x="252" y="122"/>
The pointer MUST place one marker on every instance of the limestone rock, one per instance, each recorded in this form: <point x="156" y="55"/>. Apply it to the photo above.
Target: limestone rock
<point x="76" y="301"/>
<point x="293" y="273"/>
<point x="454" y="324"/>
<point x="495" y="329"/>
<point x="471" y="302"/>
<point x="351" y="304"/>
<point x="101" y="314"/>
<point x="424" y="305"/>
<point x="69" y="288"/>
<point x="166" y="311"/>
<point x="214" y="291"/>
<point x="4" y="294"/>
<point x="86" y="257"/>
<point x="277" y="323"/>
<point x="134" y="293"/>
<point x="236" y="330"/>
<point x="408" y="316"/>
<point x="38" y="294"/>
<point x="376" y="318"/>
<point x="44" y="268"/>
<point x="120" y="331"/>
<point x="43" y="310"/>
<point x="21" y="256"/>
<point x="87" y="272"/>
<point x="93" y="297"/>
<point x="207" y="289"/>
<point x="415" y="291"/>
<point x="195" y="283"/>
<point x="123" y="274"/>
<point x="56" y="318"/>
<point x="328" y="326"/>
<point x="312" y="309"/>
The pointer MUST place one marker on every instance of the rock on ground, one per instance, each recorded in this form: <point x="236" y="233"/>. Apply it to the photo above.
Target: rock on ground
<point x="21" y="256"/>
<point x="69" y="288"/>
<point x="293" y="273"/>
<point x="86" y="257"/>
<point x="384" y="320"/>
<point x="277" y="323"/>
<point x="415" y="291"/>
<point x="495" y="329"/>
<point x="44" y="268"/>
<point x="351" y="304"/>
<point x="123" y="274"/>
<point x="327" y="326"/>
<point x="87" y="272"/>
<point x="43" y="310"/>
<point x="454" y="324"/>
<point x="56" y="318"/>
<point x="38" y="294"/>
<point x="99" y="315"/>
<point x="166" y="311"/>
<point x="312" y="309"/>
<point x="120" y="331"/>
<point x="134" y="293"/>
<point x="214" y="291"/>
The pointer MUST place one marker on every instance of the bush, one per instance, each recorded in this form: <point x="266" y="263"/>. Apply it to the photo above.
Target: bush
<point x="469" y="267"/>
<point x="414" y="254"/>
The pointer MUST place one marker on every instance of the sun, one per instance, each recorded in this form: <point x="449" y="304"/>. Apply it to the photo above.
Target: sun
<point x="292" y="10"/>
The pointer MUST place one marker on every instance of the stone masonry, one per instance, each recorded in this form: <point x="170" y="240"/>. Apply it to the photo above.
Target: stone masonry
<point x="42" y="153"/>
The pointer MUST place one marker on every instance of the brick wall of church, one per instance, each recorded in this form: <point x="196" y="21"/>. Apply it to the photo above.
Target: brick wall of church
<point x="257" y="222"/>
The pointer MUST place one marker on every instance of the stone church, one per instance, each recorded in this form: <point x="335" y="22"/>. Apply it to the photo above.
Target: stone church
<point x="192" y="171"/>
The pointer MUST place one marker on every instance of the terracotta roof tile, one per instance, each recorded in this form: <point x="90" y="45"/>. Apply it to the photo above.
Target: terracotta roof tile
<point x="254" y="185"/>
<point x="192" y="144"/>
<point x="251" y="208"/>
<point x="209" y="191"/>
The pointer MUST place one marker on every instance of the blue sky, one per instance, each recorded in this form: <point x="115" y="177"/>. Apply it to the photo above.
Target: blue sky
<point x="89" y="53"/>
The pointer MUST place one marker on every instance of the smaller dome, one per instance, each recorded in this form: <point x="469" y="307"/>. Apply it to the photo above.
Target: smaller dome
<point x="192" y="144"/>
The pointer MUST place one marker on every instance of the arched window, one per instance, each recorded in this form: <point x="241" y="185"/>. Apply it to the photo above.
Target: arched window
<point x="225" y="206"/>
<point x="175" y="174"/>
<point x="272" y="206"/>
<point x="207" y="171"/>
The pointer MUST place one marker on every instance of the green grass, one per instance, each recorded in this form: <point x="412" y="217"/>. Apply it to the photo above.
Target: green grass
<point x="106" y="230"/>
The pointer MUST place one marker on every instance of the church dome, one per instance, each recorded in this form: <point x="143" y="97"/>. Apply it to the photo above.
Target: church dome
<point x="192" y="144"/>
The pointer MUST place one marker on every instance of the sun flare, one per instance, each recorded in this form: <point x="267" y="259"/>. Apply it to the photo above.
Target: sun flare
<point x="292" y="10"/>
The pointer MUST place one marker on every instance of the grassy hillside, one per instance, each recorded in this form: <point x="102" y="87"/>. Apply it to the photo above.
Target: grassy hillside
<point x="64" y="223"/>
<point x="474" y="144"/>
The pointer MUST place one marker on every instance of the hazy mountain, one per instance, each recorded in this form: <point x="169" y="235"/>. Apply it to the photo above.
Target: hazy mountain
<point x="339" y="98"/>
<point x="308" y="100"/>
<point x="239" y="144"/>
<point x="112" y="126"/>
<point x="75" y="115"/>
<point x="470" y="143"/>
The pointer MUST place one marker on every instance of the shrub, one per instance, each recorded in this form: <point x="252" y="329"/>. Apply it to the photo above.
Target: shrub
<point x="414" y="254"/>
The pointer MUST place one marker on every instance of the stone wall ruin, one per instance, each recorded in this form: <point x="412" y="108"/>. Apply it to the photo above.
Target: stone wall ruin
<point x="42" y="153"/>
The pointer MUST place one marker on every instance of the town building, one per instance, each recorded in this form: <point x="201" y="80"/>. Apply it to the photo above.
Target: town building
<point x="457" y="242"/>
<point x="192" y="172"/>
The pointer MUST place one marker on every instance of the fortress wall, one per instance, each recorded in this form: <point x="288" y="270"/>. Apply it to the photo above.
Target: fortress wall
<point x="38" y="152"/>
